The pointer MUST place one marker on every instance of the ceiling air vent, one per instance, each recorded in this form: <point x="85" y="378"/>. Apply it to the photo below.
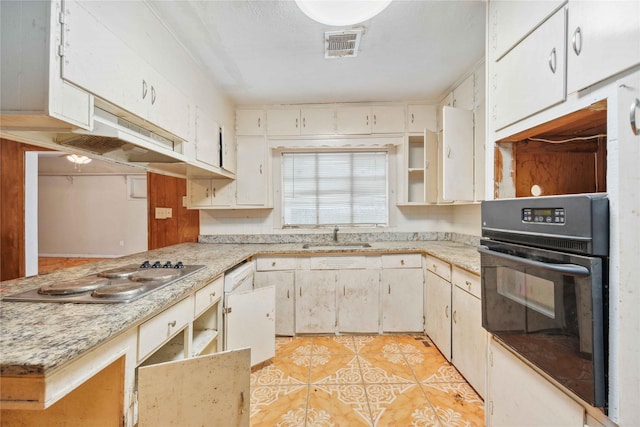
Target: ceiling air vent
<point x="342" y="44"/>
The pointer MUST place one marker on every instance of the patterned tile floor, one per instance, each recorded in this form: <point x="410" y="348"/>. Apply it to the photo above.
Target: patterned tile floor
<point x="348" y="381"/>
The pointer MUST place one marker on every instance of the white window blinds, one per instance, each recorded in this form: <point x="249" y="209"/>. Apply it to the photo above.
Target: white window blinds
<point x="334" y="188"/>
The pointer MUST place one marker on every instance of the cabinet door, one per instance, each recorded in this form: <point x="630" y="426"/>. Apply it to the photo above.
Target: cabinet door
<point x="315" y="301"/>
<point x="463" y="94"/>
<point x="388" y="119"/>
<point x="199" y="192"/>
<point x="207" y="139"/>
<point x="457" y="154"/>
<point x="421" y="117"/>
<point x="518" y="396"/>
<point x="438" y="312"/>
<point x="250" y="122"/>
<point x="402" y="299"/>
<point x="221" y="192"/>
<point x="252" y="183"/>
<point x="531" y="77"/>
<point x="468" y="339"/>
<point x="358" y="294"/>
<point x="603" y="39"/>
<point x="250" y="322"/>
<point x="284" y="283"/>
<point x="353" y="120"/>
<point x="207" y="390"/>
<point x="283" y="122"/>
<point x="168" y="108"/>
<point x="318" y="121"/>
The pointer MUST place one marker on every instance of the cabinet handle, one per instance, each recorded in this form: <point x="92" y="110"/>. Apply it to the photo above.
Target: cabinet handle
<point x="576" y="41"/>
<point x="375" y="119"/>
<point x="259" y="122"/>
<point x="435" y="267"/>
<point x="260" y="169"/>
<point x="412" y="118"/>
<point x="344" y="290"/>
<point x="296" y="123"/>
<point x="367" y="120"/>
<point x="300" y="291"/>
<point x="304" y="122"/>
<point x="153" y="95"/>
<point x="632" y="117"/>
<point x="446" y="312"/>
<point x="287" y="293"/>
<point x="552" y="60"/>
<point x="401" y="262"/>
<point x="214" y="192"/>
<point x="273" y="264"/>
<point x="207" y="193"/>
<point x="449" y="152"/>
<point x="172" y="324"/>
<point x="454" y="316"/>
<point x="212" y="295"/>
<point x="389" y="289"/>
<point x="468" y="283"/>
<point x="144" y="89"/>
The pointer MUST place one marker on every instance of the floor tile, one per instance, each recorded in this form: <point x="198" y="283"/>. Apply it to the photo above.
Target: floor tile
<point x="432" y="367"/>
<point x="278" y="405"/>
<point x="333" y="345"/>
<point x="416" y="344"/>
<point x="399" y="405"/>
<point x="376" y="344"/>
<point x="342" y="405"/>
<point x="288" y="345"/>
<point x="335" y="369"/>
<point x="456" y="404"/>
<point x="385" y="368"/>
<point x="283" y="370"/>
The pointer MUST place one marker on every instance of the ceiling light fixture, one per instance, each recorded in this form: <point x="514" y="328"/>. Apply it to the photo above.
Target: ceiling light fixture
<point x="78" y="160"/>
<point x="341" y="12"/>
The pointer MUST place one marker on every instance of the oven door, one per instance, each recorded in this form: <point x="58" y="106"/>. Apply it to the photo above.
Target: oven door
<point x="549" y="307"/>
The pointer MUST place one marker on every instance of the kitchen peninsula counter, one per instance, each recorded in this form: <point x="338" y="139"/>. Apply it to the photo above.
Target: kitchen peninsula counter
<point x="38" y="339"/>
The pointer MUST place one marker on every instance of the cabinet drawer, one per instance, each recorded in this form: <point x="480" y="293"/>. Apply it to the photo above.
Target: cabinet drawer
<point x="338" y="262"/>
<point x="208" y="295"/>
<point x="154" y="332"/>
<point x="276" y="263"/>
<point x="439" y="267"/>
<point x="402" y="261"/>
<point x="466" y="281"/>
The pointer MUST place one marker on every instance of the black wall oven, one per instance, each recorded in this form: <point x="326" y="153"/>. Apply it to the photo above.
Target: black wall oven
<point x="545" y="283"/>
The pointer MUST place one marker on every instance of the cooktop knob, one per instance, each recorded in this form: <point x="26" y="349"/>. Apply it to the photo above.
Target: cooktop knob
<point x="156" y="264"/>
<point x="179" y="264"/>
<point x="145" y="264"/>
<point x="167" y="265"/>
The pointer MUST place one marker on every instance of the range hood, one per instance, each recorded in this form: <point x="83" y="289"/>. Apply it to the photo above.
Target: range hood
<point x="119" y="140"/>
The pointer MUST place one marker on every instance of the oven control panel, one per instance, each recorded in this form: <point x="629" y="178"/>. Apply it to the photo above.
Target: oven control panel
<point x="543" y="215"/>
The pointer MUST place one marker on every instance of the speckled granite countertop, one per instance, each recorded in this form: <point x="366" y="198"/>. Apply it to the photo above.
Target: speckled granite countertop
<point x="38" y="338"/>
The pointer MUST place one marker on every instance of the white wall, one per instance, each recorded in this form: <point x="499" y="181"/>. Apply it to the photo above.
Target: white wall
<point x="466" y="219"/>
<point x="89" y="215"/>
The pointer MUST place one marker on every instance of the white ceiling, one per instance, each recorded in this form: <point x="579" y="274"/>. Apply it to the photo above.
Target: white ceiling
<point x="269" y="52"/>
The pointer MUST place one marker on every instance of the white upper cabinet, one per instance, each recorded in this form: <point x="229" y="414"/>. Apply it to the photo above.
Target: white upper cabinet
<point x="457" y="154"/>
<point x="374" y="119"/>
<point x="250" y="122"/>
<point x="252" y="177"/>
<point x="421" y="117"/>
<point x="318" y="121"/>
<point x="603" y="39"/>
<point x="283" y="122"/>
<point x="208" y="142"/>
<point x="388" y="119"/>
<point x="511" y="21"/>
<point x="531" y="77"/>
<point x="353" y="120"/>
<point x="100" y="62"/>
<point x="463" y="94"/>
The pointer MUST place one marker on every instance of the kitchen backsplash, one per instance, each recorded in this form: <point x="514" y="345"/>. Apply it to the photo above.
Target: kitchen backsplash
<point x="342" y="237"/>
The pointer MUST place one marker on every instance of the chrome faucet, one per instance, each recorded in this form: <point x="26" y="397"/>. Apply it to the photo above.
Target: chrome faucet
<point x="335" y="234"/>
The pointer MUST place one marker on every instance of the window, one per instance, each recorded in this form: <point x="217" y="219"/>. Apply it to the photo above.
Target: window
<point x="330" y="188"/>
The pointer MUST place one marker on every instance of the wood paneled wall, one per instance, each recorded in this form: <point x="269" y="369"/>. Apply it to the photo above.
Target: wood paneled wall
<point x="184" y="225"/>
<point x="12" y="244"/>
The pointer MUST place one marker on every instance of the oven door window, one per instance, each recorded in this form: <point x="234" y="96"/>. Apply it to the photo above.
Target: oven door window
<point x="548" y="307"/>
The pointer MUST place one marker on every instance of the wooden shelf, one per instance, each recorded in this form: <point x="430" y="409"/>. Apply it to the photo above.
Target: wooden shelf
<point x="202" y="339"/>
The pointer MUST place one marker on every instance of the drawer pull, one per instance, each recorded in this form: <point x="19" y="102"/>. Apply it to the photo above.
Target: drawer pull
<point x="172" y="324"/>
<point x="446" y="312"/>
<point x="389" y="289"/>
<point x="401" y="262"/>
<point x="454" y="316"/>
<point x="468" y="283"/>
<point x="576" y="41"/>
<point x="435" y="267"/>
<point x="212" y="295"/>
<point x="552" y="60"/>
<point x="273" y="264"/>
<point x="632" y="117"/>
<point x="287" y="293"/>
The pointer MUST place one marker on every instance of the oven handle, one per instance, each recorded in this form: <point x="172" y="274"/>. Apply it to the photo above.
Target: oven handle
<point x="566" y="269"/>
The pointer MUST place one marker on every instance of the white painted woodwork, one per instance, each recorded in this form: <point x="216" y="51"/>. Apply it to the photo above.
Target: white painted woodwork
<point x="284" y="282"/>
<point x="439" y="267"/>
<point x="208" y="390"/>
<point x="511" y="21"/>
<point x="283" y="122"/>
<point x="468" y="338"/>
<point x="208" y="295"/>
<point x="252" y="175"/>
<point x="97" y="60"/>
<point x="421" y="117"/>
<point x="457" y="154"/>
<point x="463" y="94"/>
<point x="531" y="77"/>
<point x="338" y="262"/>
<point x="402" y="299"/>
<point x="229" y="160"/>
<point x="603" y="39"/>
<point x="207" y="139"/>
<point x="211" y="192"/>
<point x="276" y="263"/>
<point x="156" y="331"/>
<point x="358" y="295"/>
<point x="250" y="122"/>
<point x="315" y="301"/>
<point x="317" y="121"/>
<point x="387" y="119"/>
<point x="438" y="312"/>
<point x="447" y="101"/>
<point x="421" y="153"/>
<point x="479" y="154"/>
<point x="250" y="322"/>
<point x="520" y="396"/>
<point x="465" y="280"/>
<point x="354" y="120"/>
<point x="401" y="260"/>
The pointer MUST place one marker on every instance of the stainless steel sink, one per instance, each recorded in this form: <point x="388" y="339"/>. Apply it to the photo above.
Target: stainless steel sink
<point x="336" y="246"/>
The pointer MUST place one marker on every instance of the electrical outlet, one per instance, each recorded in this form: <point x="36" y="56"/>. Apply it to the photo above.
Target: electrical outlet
<point x="168" y="212"/>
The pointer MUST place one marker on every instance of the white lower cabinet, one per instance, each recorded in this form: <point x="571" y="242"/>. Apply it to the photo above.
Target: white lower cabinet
<point x="284" y="282"/>
<point x="402" y="299"/>
<point x="519" y="396"/>
<point x="315" y="301"/>
<point x="438" y="312"/>
<point x="358" y="300"/>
